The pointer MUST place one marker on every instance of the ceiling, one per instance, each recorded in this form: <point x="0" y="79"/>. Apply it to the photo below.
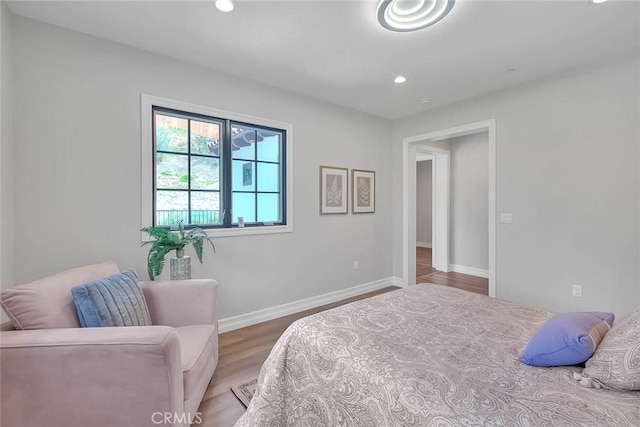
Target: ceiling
<point x="337" y="52"/>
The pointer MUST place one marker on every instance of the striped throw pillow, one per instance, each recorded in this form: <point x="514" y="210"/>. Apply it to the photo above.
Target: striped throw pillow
<point x="113" y="301"/>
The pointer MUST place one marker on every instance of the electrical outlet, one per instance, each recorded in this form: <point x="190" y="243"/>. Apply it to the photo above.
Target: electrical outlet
<point x="506" y="218"/>
<point x="576" y="291"/>
<point x="356" y="264"/>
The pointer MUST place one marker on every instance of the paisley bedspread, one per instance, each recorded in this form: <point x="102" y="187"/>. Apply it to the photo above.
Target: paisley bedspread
<point x="427" y="355"/>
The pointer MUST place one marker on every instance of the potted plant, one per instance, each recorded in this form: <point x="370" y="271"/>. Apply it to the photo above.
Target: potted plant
<point x="165" y="241"/>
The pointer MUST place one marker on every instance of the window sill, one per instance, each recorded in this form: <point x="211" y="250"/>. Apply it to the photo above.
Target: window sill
<point x="246" y="231"/>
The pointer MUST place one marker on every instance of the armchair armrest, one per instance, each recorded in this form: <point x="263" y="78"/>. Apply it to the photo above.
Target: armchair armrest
<point x="90" y="376"/>
<point x="182" y="302"/>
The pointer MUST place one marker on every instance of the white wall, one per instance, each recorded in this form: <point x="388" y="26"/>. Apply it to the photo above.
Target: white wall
<point x="6" y="149"/>
<point x="424" y="210"/>
<point x="469" y="226"/>
<point x="567" y="169"/>
<point x="77" y="166"/>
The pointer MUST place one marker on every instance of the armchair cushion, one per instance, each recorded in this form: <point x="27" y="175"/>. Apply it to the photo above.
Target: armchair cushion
<point x="47" y="303"/>
<point x="198" y="347"/>
<point x="116" y="300"/>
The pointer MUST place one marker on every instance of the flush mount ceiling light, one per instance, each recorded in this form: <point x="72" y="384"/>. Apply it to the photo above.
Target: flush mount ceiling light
<point x="225" y="5"/>
<point x="400" y="79"/>
<point x="412" y="15"/>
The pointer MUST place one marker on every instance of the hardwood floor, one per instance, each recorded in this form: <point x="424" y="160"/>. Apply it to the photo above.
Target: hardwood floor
<point x="425" y="273"/>
<point x="243" y="351"/>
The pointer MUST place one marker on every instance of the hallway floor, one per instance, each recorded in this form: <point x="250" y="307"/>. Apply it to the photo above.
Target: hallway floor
<point x="425" y="273"/>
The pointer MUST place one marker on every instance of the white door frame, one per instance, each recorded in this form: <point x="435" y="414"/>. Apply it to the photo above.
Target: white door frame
<point x="409" y="145"/>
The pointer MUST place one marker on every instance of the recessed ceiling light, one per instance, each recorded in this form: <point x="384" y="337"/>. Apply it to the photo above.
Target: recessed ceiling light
<point x="425" y="100"/>
<point x="225" y="5"/>
<point x="400" y="79"/>
<point x="412" y="15"/>
<point x="598" y="1"/>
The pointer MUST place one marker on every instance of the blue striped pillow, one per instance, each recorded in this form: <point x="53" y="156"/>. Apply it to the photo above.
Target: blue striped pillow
<point x="113" y="301"/>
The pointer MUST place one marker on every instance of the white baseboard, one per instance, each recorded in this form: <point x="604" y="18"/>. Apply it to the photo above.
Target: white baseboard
<point x="423" y="245"/>
<point x="397" y="281"/>
<point x="471" y="271"/>
<point x="248" y="319"/>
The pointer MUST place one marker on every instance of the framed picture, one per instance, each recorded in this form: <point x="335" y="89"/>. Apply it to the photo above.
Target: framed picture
<point x="333" y="190"/>
<point x="363" y="193"/>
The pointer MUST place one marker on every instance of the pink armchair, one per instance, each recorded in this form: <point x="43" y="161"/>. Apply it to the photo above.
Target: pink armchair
<point x="62" y="375"/>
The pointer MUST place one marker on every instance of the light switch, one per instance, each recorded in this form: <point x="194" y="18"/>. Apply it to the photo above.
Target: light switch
<point x="506" y="218"/>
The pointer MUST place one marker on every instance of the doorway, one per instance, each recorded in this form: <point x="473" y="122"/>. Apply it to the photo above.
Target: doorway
<point x="432" y="144"/>
<point x="424" y="216"/>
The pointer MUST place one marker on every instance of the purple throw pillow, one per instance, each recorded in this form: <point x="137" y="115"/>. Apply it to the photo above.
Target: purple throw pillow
<point x="567" y="339"/>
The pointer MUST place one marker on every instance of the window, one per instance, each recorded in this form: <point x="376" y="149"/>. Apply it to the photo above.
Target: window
<point x="216" y="171"/>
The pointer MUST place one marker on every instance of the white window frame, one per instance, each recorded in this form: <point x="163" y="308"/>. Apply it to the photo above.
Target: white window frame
<point x="147" y="102"/>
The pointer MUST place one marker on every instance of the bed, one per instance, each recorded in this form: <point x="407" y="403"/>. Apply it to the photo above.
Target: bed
<point x="428" y="355"/>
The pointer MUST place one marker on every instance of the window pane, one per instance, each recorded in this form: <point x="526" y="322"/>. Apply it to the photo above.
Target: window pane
<point x="205" y="207"/>
<point x="172" y="171"/>
<point x="244" y="205"/>
<point x="243" y="140"/>
<point x="268" y="177"/>
<point x="268" y="207"/>
<point x="268" y="146"/>
<point x="244" y="174"/>
<point x="205" y="138"/>
<point x="172" y="207"/>
<point x="205" y="173"/>
<point x="171" y="134"/>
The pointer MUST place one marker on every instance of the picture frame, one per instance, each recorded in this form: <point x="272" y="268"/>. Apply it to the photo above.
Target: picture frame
<point x="363" y="191"/>
<point x="334" y="188"/>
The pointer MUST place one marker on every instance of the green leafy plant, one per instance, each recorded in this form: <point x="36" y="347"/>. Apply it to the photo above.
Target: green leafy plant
<point x="166" y="240"/>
